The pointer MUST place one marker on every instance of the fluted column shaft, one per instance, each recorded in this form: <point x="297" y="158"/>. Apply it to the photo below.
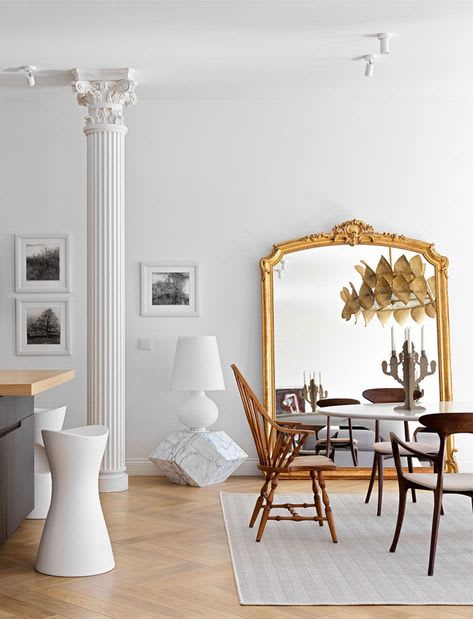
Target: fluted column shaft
<point x="105" y="132"/>
<point x="105" y="292"/>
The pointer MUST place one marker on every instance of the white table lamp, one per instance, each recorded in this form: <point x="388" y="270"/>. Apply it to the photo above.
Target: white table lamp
<point x="197" y="369"/>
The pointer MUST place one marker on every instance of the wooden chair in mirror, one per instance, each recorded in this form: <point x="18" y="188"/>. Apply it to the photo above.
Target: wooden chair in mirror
<point x="439" y="482"/>
<point x="334" y="441"/>
<point x="383" y="450"/>
<point x="278" y="448"/>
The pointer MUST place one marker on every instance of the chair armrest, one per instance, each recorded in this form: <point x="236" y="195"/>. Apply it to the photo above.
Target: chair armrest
<point x="297" y="429"/>
<point x="397" y="441"/>
<point x="298" y="425"/>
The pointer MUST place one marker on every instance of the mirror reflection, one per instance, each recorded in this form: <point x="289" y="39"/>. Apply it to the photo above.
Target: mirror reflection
<point x="339" y="312"/>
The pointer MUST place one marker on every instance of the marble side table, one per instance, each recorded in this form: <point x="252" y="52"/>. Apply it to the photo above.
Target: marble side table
<point x="197" y="458"/>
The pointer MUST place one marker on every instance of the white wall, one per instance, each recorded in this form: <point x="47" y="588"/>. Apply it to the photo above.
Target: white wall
<point x="218" y="182"/>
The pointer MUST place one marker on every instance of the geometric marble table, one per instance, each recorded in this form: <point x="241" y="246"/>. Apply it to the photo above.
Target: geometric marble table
<point x="197" y="458"/>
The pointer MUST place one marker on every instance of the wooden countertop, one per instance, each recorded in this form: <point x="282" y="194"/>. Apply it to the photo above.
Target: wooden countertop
<point x="31" y="382"/>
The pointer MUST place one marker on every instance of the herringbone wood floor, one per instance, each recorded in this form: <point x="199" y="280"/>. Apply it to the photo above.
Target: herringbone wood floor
<point x="172" y="562"/>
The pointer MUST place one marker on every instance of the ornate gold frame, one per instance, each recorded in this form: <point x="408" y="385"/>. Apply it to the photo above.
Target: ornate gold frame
<point x="356" y="232"/>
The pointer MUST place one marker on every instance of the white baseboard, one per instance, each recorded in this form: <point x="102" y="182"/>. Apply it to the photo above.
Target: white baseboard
<point x="143" y="466"/>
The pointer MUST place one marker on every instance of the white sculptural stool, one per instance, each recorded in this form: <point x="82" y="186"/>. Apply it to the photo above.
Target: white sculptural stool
<point x="44" y="419"/>
<point x="75" y="540"/>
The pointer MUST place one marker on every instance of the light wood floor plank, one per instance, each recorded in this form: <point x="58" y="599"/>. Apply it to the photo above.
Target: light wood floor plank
<point x="172" y="563"/>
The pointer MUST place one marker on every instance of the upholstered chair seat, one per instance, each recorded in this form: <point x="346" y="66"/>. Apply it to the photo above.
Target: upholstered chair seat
<point x="452" y="482"/>
<point x="385" y="448"/>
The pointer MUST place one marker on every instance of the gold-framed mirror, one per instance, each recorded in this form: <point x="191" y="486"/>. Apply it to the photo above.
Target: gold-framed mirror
<point x="311" y="328"/>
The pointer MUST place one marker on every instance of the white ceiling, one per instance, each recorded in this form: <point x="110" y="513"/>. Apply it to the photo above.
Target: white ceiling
<point x="243" y="48"/>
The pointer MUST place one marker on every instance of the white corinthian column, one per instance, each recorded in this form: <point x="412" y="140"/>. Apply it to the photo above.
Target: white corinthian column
<point x="105" y="96"/>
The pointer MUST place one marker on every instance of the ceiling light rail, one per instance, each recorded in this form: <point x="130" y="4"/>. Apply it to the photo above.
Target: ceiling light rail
<point x="29" y="71"/>
<point x="384" y="39"/>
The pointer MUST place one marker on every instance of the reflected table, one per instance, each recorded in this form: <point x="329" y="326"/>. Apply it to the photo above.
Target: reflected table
<point x="368" y="414"/>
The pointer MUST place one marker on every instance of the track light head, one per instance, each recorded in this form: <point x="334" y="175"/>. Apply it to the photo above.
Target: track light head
<point x="369" y="69"/>
<point x="384" y="38"/>
<point x="29" y="73"/>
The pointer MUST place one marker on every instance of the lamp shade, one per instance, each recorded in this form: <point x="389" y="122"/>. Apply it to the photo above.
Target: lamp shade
<point x="197" y="364"/>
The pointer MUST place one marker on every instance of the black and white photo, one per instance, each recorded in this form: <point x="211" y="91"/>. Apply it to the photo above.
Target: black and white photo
<point x="169" y="290"/>
<point x="43" y="327"/>
<point x="42" y="263"/>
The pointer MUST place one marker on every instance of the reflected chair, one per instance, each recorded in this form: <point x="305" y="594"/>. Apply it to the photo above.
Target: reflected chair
<point x="439" y="482"/>
<point x="383" y="450"/>
<point x="330" y="444"/>
<point x="278" y="448"/>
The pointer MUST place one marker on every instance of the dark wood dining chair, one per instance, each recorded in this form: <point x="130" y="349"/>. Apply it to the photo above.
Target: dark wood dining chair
<point x="331" y="444"/>
<point x="382" y="450"/>
<point x="278" y="448"/>
<point x="439" y="482"/>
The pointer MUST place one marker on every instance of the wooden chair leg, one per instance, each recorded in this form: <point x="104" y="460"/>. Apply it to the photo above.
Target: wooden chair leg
<point x="380" y="483"/>
<point x="317" y="501"/>
<point x="259" y="501"/>
<point x="410" y="468"/>
<point x="328" y="509"/>
<point x="435" y="531"/>
<point x="400" y="516"/>
<point x="442" y="512"/>
<point x="267" y="507"/>
<point x="354" y="451"/>
<point x="374" y="468"/>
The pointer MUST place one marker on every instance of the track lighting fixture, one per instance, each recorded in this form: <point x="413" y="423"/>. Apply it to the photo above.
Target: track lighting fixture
<point x="369" y="69"/>
<point x="29" y="72"/>
<point x="384" y="38"/>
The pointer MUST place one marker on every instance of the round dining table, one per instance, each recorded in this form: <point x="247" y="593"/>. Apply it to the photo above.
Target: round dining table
<point x="367" y="414"/>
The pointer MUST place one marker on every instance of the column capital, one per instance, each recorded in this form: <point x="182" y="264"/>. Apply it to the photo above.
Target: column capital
<point x="105" y="92"/>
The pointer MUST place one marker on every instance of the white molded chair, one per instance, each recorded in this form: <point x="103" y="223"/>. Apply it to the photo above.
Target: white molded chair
<point x="44" y="419"/>
<point x="75" y="540"/>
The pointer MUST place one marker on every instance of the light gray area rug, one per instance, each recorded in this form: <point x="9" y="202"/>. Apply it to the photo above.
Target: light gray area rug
<point x="296" y="563"/>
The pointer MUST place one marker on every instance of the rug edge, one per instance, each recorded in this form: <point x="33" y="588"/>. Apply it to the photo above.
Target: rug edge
<point x="230" y="549"/>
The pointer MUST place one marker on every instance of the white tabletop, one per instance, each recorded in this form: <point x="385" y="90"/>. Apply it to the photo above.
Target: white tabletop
<point x="382" y="411"/>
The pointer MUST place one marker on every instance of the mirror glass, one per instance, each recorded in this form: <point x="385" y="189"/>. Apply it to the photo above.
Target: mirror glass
<point x="312" y="339"/>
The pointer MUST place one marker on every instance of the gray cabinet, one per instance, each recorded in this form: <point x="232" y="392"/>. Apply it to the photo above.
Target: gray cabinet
<point x="16" y="462"/>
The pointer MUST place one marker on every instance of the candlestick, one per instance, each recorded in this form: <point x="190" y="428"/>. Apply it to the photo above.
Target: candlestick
<point x="408" y="360"/>
<point x="409" y="339"/>
<point x="393" y="346"/>
<point x="312" y="392"/>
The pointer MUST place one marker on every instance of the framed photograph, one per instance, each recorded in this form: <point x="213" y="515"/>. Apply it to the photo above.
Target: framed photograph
<point x="42" y="263"/>
<point x="289" y="400"/>
<point x="43" y="327"/>
<point x="169" y="289"/>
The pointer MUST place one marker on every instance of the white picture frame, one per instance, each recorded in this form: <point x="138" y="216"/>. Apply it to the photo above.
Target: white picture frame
<point x="37" y="334"/>
<point x="42" y="263"/>
<point x="156" y="277"/>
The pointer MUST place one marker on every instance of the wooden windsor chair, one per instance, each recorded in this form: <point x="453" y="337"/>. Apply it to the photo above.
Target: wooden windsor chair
<point x="439" y="482"/>
<point x="382" y="450"/>
<point x="278" y="448"/>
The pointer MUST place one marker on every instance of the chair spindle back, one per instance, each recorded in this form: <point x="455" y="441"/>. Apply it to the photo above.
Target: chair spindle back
<point x="275" y="445"/>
